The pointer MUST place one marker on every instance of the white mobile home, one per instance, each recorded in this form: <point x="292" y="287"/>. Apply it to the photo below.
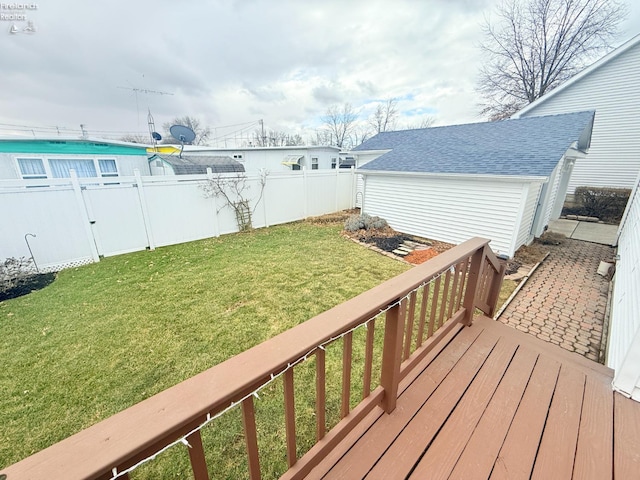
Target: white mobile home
<point x="25" y="158"/>
<point x="274" y="159"/>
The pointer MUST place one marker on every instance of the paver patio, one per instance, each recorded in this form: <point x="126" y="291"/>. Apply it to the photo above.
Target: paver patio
<point x="564" y="301"/>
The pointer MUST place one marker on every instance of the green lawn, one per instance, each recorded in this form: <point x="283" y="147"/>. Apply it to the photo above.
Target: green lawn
<point x="105" y="336"/>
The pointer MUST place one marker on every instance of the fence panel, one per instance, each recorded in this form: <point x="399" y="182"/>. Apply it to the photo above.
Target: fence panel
<point x="51" y="214"/>
<point x="116" y="216"/>
<point x="75" y="220"/>
<point x="179" y="212"/>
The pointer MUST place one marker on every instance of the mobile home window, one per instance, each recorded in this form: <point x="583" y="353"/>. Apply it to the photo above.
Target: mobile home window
<point x="314" y="163"/>
<point x="31" y="168"/>
<point x="334" y="162"/>
<point x="108" y="168"/>
<point x="61" y="168"/>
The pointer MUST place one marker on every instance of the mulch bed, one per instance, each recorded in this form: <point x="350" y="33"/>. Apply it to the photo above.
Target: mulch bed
<point x="420" y="256"/>
<point x="27" y="285"/>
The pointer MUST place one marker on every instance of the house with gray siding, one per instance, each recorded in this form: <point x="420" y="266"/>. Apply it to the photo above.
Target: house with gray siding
<point x="610" y="87"/>
<point x="500" y="180"/>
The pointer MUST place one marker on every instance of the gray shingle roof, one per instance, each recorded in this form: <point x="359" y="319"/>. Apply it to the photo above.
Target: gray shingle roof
<point x="530" y="146"/>
<point x="197" y="164"/>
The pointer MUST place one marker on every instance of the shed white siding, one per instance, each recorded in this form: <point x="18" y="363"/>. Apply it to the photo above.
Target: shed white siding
<point x="362" y="159"/>
<point x="530" y="202"/>
<point x="623" y="354"/>
<point x="612" y="91"/>
<point x="450" y="209"/>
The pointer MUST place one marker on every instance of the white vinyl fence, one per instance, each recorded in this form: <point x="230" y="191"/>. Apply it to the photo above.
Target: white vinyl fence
<point x="70" y="222"/>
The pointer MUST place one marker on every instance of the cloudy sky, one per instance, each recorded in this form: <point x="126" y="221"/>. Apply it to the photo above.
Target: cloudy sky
<point x="231" y="62"/>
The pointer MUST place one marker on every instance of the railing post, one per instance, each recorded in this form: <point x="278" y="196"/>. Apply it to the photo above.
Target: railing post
<point x="494" y="290"/>
<point x="475" y="274"/>
<point x="392" y="354"/>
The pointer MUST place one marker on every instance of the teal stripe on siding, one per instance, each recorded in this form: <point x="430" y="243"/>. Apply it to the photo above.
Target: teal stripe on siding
<point x="62" y="147"/>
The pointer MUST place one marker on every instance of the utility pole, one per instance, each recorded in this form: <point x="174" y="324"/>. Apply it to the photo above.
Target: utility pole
<point x="264" y="139"/>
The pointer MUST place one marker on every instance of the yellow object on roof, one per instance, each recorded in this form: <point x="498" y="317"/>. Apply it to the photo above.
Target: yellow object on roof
<point x="166" y="149"/>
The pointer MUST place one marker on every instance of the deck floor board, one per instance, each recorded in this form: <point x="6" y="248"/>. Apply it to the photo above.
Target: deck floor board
<point x="495" y="403"/>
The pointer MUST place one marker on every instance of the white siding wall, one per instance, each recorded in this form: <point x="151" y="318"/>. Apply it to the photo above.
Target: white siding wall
<point x="362" y="159"/>
<point x="449" y="210"/>
<point x="623" y="354"/>
<point x="530" y="199"/>
<point x="612" y="91"/>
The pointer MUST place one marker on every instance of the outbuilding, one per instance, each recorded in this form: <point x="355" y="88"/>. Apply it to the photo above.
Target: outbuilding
<point x="500" y="180"/>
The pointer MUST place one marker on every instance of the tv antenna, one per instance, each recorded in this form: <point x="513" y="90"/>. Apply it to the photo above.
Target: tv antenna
<point x="146" y="91"/>
<point x="183" y="134"/>
<point x="155" y="136"/>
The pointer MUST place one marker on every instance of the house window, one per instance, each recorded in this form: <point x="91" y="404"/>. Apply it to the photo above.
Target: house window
<point x="314" y="163"/>
<point x="31" y="168"/>
<point x="108" y="168"/>
<point x="61" y="168"/>
<point x="295" y="167"/>
<point x="334" y="162"/>
<point x="238" y="156"/>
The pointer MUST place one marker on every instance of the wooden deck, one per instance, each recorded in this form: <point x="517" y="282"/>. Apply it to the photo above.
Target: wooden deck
<point x="496" y="403"/>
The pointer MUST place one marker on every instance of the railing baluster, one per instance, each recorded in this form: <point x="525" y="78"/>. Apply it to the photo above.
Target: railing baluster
<point x="368" y="359"/>
<point x="434" y="306"/>
<point x="409" y="327"/>
<point x="196" y="456"/>
<point x="454" y="291"/>
<point x="445" y="292"/>
<point x="463" y="282"/>
<point x="347" y="352"/>
<point x="392" y="354"/>
<point x="321" y="423"/>
<point x="423" y="314"/>
<point x="290" y="417"/>
<point x="251" y="437"/>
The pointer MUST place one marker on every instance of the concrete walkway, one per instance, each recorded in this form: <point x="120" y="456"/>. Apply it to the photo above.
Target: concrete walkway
<point x="564" y="301"/>
<point x="587" y="231"/>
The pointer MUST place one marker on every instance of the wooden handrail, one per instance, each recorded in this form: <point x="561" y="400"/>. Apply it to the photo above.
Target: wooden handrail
<point x="141" y="430"/>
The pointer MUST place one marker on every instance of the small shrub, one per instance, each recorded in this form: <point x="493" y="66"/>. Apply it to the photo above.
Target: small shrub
<point x="552" y="238"/>
<point x="607" y="204"/>
<point x="14" y="270"/>
<point x="364" y="222"/>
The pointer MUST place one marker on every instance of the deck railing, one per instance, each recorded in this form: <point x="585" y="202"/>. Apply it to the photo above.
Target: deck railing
<point x="419" y="308"/>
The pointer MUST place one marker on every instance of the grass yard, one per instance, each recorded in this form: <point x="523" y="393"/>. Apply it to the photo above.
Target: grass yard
<point x="106" y="336"/>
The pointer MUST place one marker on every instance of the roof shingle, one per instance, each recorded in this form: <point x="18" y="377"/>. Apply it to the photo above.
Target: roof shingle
<point x="530" y="146"/>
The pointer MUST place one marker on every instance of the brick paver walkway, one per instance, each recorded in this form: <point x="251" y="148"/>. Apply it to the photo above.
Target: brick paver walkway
<point x="564" y="301"/>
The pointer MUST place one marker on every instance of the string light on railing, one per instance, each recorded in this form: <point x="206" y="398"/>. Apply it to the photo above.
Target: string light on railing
<point x="322" y="346"/>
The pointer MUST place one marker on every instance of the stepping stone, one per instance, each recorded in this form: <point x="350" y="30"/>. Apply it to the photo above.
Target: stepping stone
<point x="402" y="253"/>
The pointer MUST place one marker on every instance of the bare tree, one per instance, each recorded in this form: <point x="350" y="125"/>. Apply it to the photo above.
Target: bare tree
<point x="275" y="138"/>
<point x="360" y="134"/>
<point x="538" y="44"/>
<point x="203" y="133"/>
<point x="339" y="123"/>
<point x="425" y="122"/>
<point x="384" y="117"/>
<point x="136" y="138"/>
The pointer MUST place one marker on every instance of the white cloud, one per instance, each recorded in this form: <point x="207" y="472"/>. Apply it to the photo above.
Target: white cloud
<point x="231" y="62"/>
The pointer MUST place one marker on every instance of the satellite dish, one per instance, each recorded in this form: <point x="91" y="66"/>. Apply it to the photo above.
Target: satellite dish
<point x="156" y="136"/>
<point x="182" y="134"/>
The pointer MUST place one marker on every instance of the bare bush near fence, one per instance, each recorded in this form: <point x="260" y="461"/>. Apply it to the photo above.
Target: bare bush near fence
<point x="234" y="190"/>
